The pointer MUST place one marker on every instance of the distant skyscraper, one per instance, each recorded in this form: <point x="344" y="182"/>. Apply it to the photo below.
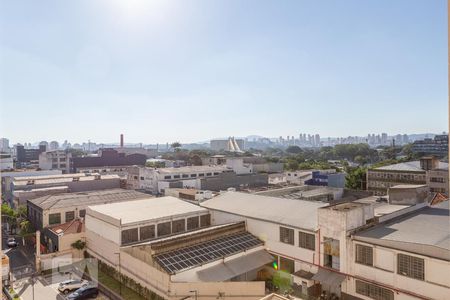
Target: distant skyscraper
<point x="54" y="145"/>
<point x="317" y="140"/>
<point x="4" y="144"/>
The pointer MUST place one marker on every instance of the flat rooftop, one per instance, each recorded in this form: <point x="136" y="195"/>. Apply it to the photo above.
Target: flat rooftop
<point x="410" y="166"/>
<point x="87" y="198"/>
<point x="425" y="231"/>
<point x="408" y="186"/>
<point x="381" y="206"/>
<point x="23" y="181"/>
<point x="193" y="169"/>
<point x="131" y="212"/>
<point x="294" y="213"/>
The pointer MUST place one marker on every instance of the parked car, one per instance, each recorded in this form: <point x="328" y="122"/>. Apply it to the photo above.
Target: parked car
<point x="11" y="242"/>
<point x="85" y="292"/>
<point x="71" y="285"/>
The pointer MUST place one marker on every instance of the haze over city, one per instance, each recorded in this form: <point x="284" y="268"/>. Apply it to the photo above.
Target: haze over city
<point x="161" y="71"/>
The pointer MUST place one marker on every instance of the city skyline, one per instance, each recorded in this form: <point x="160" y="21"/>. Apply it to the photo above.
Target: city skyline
<point x="167" y="70"/>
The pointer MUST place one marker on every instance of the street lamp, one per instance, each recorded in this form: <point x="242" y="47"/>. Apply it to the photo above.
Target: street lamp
<point x="120" y="275"/>
<point x="195" y="294"/>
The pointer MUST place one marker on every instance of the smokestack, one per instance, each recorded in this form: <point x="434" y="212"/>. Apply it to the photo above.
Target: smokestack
<point x="121" y="140"/>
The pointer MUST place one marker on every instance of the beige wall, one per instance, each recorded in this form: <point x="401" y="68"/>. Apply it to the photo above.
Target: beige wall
<point x="384" y="271"/>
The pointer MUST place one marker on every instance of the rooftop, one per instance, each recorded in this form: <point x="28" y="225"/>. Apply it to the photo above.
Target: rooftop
<point x="74" y="226"/>
<point x="289" y="212"/>
<point x="147" y="209"/>
<point x="425" y="231"/>
<point x="23" y="181"/>
<point x="87" y="198"/>
<point x="408" y="186"/>
<point x="410" y="166"/>
<point x="381" y="206"/>
<point x="192" y="169"/>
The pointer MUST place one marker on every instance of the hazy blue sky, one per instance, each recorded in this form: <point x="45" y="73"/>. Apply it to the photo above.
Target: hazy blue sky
<point x="185" y="70"/>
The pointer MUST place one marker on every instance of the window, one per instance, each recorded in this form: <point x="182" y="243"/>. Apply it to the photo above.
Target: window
<point x="163" y="229"/>
<point x="287" y="235"/>
<point x="129" y="236"/>
<point x="147" y="232"/>
<point x="208" y="174"/>
<point x="192" y="223"/>
<point x="185" y="176"/>
<point x="373" y="291"/>
<point x="178" y="226"/>
<point x="70" y="215"/>
<point x="168" y="177"/>
<point x="205" y="220"/>
<point x="216" y="173"/>
<point x="176" y="176"/>
<point x="410" y="266"/>
<point x="54" y="219"/>
<point x="82" y="213"/>
<point x="201" y="175"/>
<point x="193" y="175"/>
<point x="364" y="255"/>
<point x="142" y="177"/>
<point x="307" y="240"/>
<point x="286" y="265"/>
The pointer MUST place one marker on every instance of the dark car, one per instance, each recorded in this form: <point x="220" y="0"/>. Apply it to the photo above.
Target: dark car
<point x="84" y="292"/>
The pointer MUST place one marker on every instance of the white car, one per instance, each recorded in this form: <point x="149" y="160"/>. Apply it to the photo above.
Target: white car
<point x="70" y="285"/>
<point x="11" y="242"/>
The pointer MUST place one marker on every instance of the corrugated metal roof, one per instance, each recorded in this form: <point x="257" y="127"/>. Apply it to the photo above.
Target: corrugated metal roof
<point x="87" y="198"/>
<point x="290" y="212"/>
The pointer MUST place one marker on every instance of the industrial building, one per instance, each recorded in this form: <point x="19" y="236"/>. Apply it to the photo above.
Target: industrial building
<point x="379" y="180"/>
<point x="168" y="246"/>
<point x="24" y="188"/>
<point x="108" y="158"/>
<point x="213" y="177"/>
<point x="370" y="248"/>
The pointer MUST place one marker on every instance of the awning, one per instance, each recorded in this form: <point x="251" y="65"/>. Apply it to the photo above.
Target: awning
<point x="235" y="267"/>
<point x="328" y="277"/>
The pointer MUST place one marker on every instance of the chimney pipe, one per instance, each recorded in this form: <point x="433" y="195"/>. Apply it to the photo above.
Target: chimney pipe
<point x="121" y="140"/>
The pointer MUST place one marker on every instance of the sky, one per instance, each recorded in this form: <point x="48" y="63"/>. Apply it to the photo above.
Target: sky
<point x="163" y="71"/>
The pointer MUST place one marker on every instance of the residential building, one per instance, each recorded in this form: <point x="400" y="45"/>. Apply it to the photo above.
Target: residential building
<point x="22" y="189"/>
<point x="62" y="208"/>
<point x="437" y="146"/>
<point x="56" y="160"/>
<point x="108" y="158"/>
<point x="168" y="246"/>
<point x="61" y="237"/>
<point x="413" y="172"/>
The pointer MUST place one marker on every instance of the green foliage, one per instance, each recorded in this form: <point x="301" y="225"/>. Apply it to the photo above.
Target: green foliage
<point x="294" y="149"/>
<point x="155" y="164"/>
<point x="26" y="228"/>
<point x="176" y="146"/>
<point x="80" y="245"/>
<point x="356" y="178"/>
<point x="282" y="280"/>
<point x="76" y="152"/>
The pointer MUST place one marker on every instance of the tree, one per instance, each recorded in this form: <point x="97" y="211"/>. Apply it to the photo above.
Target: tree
<point x="294" y="149"/>
<point x="78" y="245"/>
<point x="176" y="146"/>
<point x="356" y="178"/>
